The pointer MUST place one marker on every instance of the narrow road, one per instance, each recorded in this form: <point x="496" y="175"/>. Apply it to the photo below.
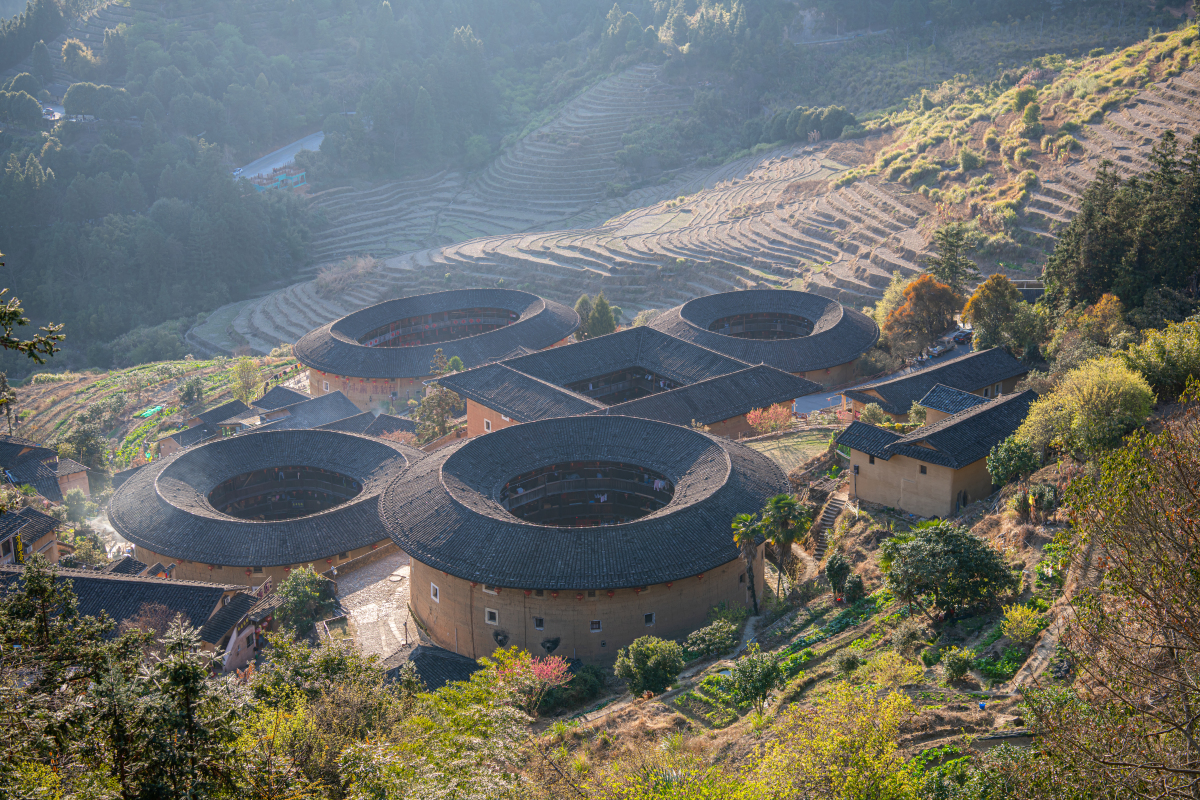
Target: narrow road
<point x="283" y="156"/>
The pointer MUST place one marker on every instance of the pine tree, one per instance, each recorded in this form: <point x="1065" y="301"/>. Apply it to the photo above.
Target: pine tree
<point x="601" y="321"/>
<point x="951" y="265"/>
<point x="42" y="63"/>
<point x="427" y="133"/>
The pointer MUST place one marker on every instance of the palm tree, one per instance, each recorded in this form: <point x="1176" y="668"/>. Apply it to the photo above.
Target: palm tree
<point x="745" y="531"/>
<point x="783" y="519"/>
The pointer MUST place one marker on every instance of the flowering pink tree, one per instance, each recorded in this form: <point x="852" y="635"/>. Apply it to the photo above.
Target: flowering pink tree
<point x="772" y="418"/>
<point x="529" y="677"/>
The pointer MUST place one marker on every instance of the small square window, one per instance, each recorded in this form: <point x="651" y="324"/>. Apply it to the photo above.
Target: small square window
<point x="325" y="386"/>
<point x="591" y="594"/>
<point x="258" y="570"/>
<point x="649" y="619"/>
<point x="433" y="593"/>
<point x="217" y="566"/>
<point x="999" y="387"/>
<point x="487" y="425"/>
<point x="489" y="589"/>
<point x="596" y="626"/>
<point x="870" y="459"/>
<point x="923" y="469"/>
<point x="742" y="578"/>
<point x="539" y="592"/>
<point x="986" y="391"/>
<point x="539" y="623"/>
<point x="343" y="556"/>
<point x="603" y="643"/>
<point x="491" y="616"/>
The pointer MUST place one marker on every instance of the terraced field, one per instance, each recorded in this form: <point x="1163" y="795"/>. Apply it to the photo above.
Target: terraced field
<point x="774" y="220"/>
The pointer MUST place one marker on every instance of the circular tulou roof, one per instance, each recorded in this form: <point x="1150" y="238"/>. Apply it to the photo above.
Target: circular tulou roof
<point x="839" y="334"/>
<point x="334" y="348"/>
<point x="445" y="512"/>
<point x="164" y="506"/>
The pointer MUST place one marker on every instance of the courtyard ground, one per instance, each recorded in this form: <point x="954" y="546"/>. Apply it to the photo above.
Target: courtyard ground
<point x="376" y="600"/>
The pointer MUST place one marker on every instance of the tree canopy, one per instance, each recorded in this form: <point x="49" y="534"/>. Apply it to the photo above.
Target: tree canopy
<point x="946" y="567"/>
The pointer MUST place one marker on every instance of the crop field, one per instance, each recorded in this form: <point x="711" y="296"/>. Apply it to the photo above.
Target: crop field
<point x="794" y="449"/>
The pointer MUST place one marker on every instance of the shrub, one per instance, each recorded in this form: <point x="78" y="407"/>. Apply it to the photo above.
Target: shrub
<point x="836" y="570"/>
<point x="305" y="597"/>
<point x="649" y="664"/>
<point x="873" y="414"/>
<point x="1021" y="623"/>
<point x="1167" y="358"/>
<point x="969" y="160"/>
<point x="770" y="419"/>
<point x="711" y="640"/>
<point x="1011" y="458"/>
<point x="854" y="589"/>
<point x="908" y="637"/>
<point x="755" y="675"/>
<point x="957" y="663"/>
<point x="587" y="685"/>
<point x="991" y="139"/>
<point x="846" y="661"/>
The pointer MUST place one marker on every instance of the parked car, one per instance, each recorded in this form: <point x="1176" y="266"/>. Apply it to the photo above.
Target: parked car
<point x="963" y="337"/>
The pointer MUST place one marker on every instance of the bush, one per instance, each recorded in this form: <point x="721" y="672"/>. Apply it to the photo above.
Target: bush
<point x="908" y="637"/>
<point x="755" y="675"/>
<point x="854" y="589"/>
<point x="958" y="663"/>
<point x="836" y="570"/>
<point x="1012" y="458"/>
<point x="712" y="640"/>
<point x="1167" y="358"/>
<point x="969" y="160"/>
<point x="649" y="664"/>
<point x="587" y="685"/>
<point x="846" y="661"/>
<point x="873" y="414"/>
<point x="1022" y="624"/>
<point x="305" y="597"/>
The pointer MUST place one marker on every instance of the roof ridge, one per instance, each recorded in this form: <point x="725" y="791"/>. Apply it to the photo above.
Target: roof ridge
<point x="70" y="572"/>
<point x="962" y="416"/>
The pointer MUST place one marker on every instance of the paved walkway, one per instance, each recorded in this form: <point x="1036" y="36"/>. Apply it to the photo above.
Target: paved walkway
<point x="376" y="600"/>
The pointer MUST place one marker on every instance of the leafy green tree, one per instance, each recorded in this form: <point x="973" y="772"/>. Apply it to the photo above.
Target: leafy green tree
<point x="244" y="381"/>
<point x="991" y="310"/>
<point x="945" y="566"/>
<point x="305" y="598"/>
<point x="601" y="321"/>
<point x="1012" y="458"/>
<point x="439" y="404"/>
<point x="746" y="530"/>
<point x="916" y="412"/>
<point x="1092" y="407"/>
<point x="8" y="401"/>
<point x="191" y="392"/>
<point x="455" y="364"/>
<point x="854" y="589"/>
<point x="42" y="63"/>
<point x="755" y="675"/>
<point x="1167" y="359"/>
<point x="873" y="414"/>
<point x="583" y="307"/>
<point x="836" y="571"/>
<point x="958" y="662"/>
<point x="950" y="264"/>
<point x="649" y="664"/>
<point x="87" y="445"/>
<point x="77" y="506"/>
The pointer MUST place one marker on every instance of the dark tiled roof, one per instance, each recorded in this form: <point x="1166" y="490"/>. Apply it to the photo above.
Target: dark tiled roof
<point x="314" y="413"/>
<point x="279" y="397"/>
<point x="119" y="478"/>
<point x="436" y="666"/>
<point x="967" y="373"/>
<point x="444" y="510"/>
<point x="368" y="424"/>
<point x="334" y="348"/>
<point x="968" y="436"/>
<point x="386" y="423"/>
<point x="165" y="507"/>
<point x="718" y="398"/>
<point x="222" y="412"/>
<point x="67" y="466"/>
<point x="839" y="334"/>
<point x="956" y="441"/>
<point x="29" y="522"/>
<point x="868" y="439"/>
<point x="195" y="435"/>
<point x="517" y="395"/>
<point x="642" y="347"/>
<point x="122" y="596"/>
<point x="227" y="616"/>
<point x="38" y="474"/>
<point x="949" y="400"/>
<point x="11" y="447"/>
<point x="125" y="565"/>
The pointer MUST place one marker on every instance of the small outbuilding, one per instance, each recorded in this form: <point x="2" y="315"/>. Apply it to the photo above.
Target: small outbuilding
<point x="937" y="469"/>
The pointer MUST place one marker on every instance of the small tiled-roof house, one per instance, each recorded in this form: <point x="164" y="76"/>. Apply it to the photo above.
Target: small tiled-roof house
<point x="987" y="373"/>
<point x="938" y="468"/>
<point x="25" y="532"/>
<point x="943" y="401"/>
<point x="28" y="463"/>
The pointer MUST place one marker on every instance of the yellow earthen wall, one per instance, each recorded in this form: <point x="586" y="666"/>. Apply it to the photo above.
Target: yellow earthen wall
<point x="898" y="482"/>
<point x="200" y="571"/>
<point x="476" y="414"/>
<point x="457" y="620"/>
